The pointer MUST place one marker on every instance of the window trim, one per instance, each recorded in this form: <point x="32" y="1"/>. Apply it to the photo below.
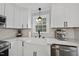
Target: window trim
<point x="48" y="18"/>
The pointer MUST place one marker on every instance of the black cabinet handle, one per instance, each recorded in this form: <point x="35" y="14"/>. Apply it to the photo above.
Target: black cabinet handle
<point x="66" y="24"/>
<point x="22" y="25"/>
<point x="22" y="43"/>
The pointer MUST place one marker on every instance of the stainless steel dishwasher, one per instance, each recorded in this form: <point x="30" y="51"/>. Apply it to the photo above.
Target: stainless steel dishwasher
<point x="63" y="50"/>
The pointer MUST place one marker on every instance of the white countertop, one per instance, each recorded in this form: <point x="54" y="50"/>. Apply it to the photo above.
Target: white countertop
<point x="45" y="41"/>
<point x="55" y="41"/>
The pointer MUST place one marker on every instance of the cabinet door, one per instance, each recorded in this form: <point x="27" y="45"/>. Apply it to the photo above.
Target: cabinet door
<point x="2" y="9"/>
<point x="57" y="15"/>
<point x="16" y="48"/>
<point x="36" y="50"/>
<point x="13" y="50"/>
<point x="9" y="13"/>
<point x="24" y="15"/>
<point x="19" y="48"/>
<point x="61" y="13"/>
<point x="17" y="18"/>
<point x="72" y="15"/>
<point x="29" y="18"/>
<point x="20" y="17"/>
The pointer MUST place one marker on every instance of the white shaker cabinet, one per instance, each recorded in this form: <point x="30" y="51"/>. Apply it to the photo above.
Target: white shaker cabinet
<point x="36" y="50"/>
<point x="9" y="13"/>
<point x="29" y="18"/>
<point x="14" y="47"/>
<point x="72" y="15"/>
<point x="20" y="17"/>
<point x="2" y="9"/>
<point x="57" y="15"/>
<point x="64" y="14"/>
<point x="16" y="17"/>
<point x="22" y="48"/>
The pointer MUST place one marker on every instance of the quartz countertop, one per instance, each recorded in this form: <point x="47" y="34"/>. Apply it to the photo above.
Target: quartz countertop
<point x="44" y="41"/>
<point x="55" y="41"/>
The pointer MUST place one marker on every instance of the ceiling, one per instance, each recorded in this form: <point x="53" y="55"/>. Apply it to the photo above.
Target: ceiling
<point x="33" y="6"/>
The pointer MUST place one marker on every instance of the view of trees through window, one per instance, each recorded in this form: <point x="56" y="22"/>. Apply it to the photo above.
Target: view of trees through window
<point x="41" y="25"/>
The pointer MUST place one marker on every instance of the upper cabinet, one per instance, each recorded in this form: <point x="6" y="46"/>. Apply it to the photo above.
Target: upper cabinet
<point x="1" y="9"/>
<point x="9" y="13"/>
<point x="20" y="17"/>
<point x="72" y="15"/>
<point x="16" y="16"/>
<point x="64" y="15"/>
<point x="57" y="15"/>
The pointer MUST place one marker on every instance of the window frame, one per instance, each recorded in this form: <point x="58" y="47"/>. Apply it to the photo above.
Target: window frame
<point x="45" y="13"/>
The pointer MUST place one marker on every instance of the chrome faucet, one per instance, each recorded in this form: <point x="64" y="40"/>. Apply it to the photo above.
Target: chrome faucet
<point x="39" y="33"/>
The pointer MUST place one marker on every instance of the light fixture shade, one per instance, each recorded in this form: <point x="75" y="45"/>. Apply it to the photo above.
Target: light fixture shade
<point x="39" y="18"/>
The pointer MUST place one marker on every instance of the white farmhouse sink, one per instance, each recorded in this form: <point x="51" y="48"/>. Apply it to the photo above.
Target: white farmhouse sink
<point x="36" y="41"/>
<point x="39" y="41"/>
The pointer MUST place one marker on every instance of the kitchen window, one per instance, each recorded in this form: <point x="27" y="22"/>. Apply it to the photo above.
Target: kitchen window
<point x="42" y="25"/>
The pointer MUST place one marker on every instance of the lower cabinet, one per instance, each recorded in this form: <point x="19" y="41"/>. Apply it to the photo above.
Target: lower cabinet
<point x="22" y="48"/>
<point x="19" y="48"/>
<point x="16" y="47"/>
<point x="13" y="50"/>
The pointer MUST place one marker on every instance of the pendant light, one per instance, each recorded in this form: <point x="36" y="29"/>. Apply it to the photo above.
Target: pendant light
<point x="39" y="18"/>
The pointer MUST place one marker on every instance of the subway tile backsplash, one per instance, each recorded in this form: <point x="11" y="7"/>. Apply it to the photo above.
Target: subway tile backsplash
<point x="69" y="34"/>
<point x="72" y="35"/>
<point x="7" y="33"/>
<point x="10" y="33"/>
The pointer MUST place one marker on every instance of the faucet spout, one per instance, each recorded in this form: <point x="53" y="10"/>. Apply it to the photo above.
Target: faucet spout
<point x="39" y="33"/>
